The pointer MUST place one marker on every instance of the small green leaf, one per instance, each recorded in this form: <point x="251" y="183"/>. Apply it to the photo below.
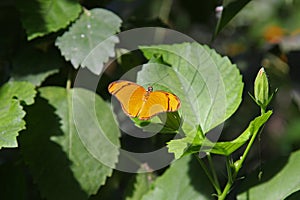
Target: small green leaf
<point x="280" y="185"/>
<point x="227" y="148"/>
<point x="90" y="41"/>
<point x="183" y="180"/>
<point x="11" y="110"/>
<point x="57" y="154"/>
<point x="229" y="10"/>
<point x="167" y="123"/>
<point x="33" y="65"/>
<point x="180" y="146"/>
<point x="41" y="17"/>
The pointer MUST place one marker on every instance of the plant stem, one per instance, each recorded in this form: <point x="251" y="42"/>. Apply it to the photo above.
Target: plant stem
<point x="225" y="191"/>
<point x="238" y="166"/>
<point x="228" y="167"/>
<point x="229" y="182"/>
<point x="211" y="179"/>
<point x="214" y="174"/>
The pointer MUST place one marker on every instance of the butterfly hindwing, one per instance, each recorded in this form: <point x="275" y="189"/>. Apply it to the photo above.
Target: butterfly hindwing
<point x="158" y="102"/>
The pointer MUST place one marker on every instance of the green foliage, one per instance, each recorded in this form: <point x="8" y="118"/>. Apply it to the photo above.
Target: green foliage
<point x="182" y="180"/>
<point x="280" y="185"/>
<point x="209" y="86"/>
<point x="230" y="9"/>
<point x="142" y="184"/>
<point x="221" y="148"/>
<point x="205" y="101"/>
<point x="56" y="155"/>
<point x="190" y="145"/>
<point x="12" y="96"/>
<point x="41" y="17"/>
<point x="90" y="41"/>
<point x="58" y="141"/>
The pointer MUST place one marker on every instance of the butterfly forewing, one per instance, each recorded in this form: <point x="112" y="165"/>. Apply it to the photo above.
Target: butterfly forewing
<point x="129" y="94"/>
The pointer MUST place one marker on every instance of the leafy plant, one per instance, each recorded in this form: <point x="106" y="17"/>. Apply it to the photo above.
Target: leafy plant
<point x="61" y="139"/>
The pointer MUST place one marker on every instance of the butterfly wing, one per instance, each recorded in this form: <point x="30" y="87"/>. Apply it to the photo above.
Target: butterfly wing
<point x="158" y="102"/>
<point x="129" y="94"/>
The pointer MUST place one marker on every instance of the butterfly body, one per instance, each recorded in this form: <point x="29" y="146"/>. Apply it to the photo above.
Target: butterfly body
<point x="136" y="101"/>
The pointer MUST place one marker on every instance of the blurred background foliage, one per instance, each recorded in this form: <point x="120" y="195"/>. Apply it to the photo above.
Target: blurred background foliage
<point x="264" y="33"/>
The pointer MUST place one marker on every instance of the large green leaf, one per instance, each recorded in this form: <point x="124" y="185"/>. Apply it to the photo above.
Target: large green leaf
<point x="90" y="41"/>
<point x="53" y="148"/>
<point x="11" y="110"/>
<point x="230" y="9"/>
<point x="33" y="65"/>
<point x="280" y="185"/>
<point x="183" y="180"/>
<point x="208" y="85"/>
<point x="41" y="17"/>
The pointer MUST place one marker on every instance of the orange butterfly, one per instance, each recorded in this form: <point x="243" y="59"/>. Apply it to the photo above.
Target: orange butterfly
<point x="141" y="103"/>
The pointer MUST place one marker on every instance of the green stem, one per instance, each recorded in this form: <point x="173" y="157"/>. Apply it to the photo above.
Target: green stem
<point x="211" y="179"/>
<point x="228" y="167"/>
<point x="229" y="182"/>
<point x="238" y="167"/>
<point x="214" y="174"/>
<point x="225" y="191"/>
<point x="239" y="164"/>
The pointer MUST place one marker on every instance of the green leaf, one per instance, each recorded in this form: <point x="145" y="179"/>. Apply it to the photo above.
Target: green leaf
<point x="11" y="110"/>
<point x="34" y="65"/>
<point x="167" y="123"/>
<point x="230" y="9"/>
<point x="208" y="85"/>
<point x="183" y="180"/>
<point x="90" y="41"/>
<point x="57" y="154"/>
<point x="41" y="17"/>
<point x="141" y="186"/>
<point x="280" y="185"/>
<point x="227" y="148"/>
<point x="180" y="146"/>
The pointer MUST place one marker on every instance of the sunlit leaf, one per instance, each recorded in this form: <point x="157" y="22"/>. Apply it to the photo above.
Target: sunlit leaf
<point x="225" y="148"/>
<point x="208" y="85"/>
<point x="11" y="110"/>
<point x="90" y="41"/>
